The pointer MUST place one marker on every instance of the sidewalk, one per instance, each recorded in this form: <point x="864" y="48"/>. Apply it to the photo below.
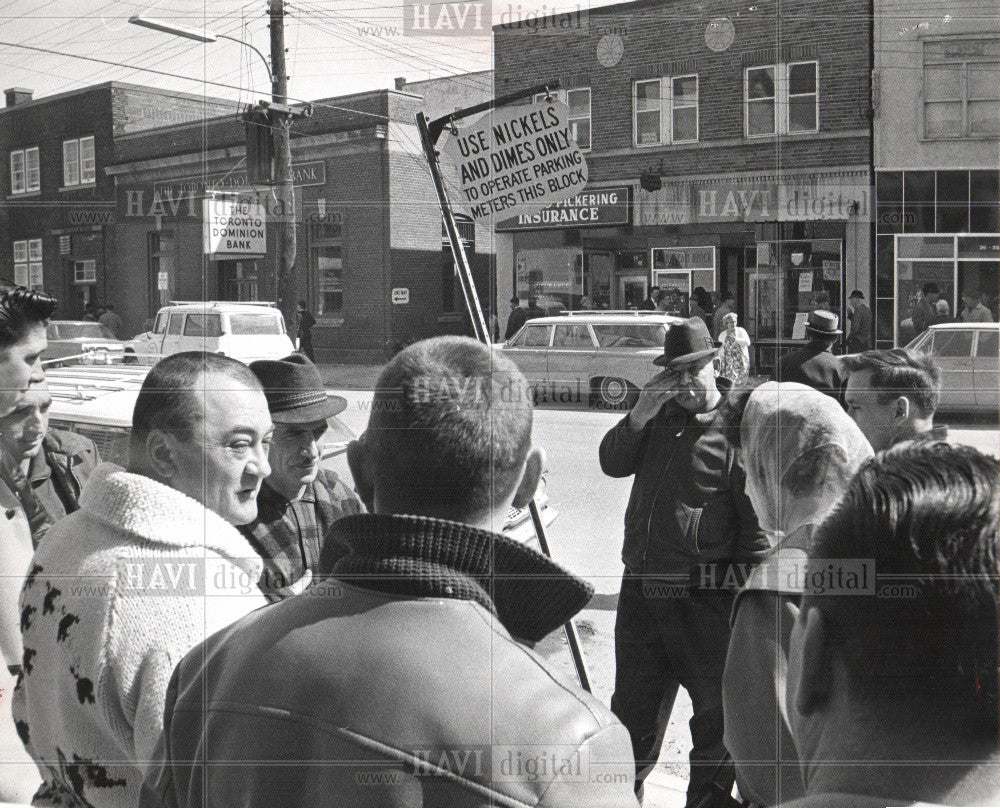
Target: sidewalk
<point x="349" y="377"/>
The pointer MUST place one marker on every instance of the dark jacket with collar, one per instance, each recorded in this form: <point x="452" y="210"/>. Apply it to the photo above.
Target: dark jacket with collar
<point x="814" y="365"/>
<point x="396" y="682"/>
<point x="688" y="504"/>
<point x="57" y="474"/>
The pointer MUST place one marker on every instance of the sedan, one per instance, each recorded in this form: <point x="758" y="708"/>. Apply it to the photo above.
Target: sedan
<point x="81" y="342"/>
<point x="967" y="354"/>
<point x="601" y="358"/>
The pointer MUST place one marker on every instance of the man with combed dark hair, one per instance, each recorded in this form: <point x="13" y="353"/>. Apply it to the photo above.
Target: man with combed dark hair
<point x="24" y="313"/>
<point x="926" y="309"/>
<point x="893" y="669"/>
<point x="149" y="566"/>
<point x="892" y="396"/>
<point x="400" y="679"/>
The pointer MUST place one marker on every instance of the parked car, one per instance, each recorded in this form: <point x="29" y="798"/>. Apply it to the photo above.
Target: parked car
<point x="598" y="357"/>
<point x="97" y="402"/>
<point x="244" y="331"/>
<point x="81" y="342"/>
<point x="967" y="354"/>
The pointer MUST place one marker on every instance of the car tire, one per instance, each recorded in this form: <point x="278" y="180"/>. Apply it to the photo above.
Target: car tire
<point x="615" y="393"/>
<point x="129" y="358"/>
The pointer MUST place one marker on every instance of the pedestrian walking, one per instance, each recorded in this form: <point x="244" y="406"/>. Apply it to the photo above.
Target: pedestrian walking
<point x="975" y="311"/>
<point x="727" y="304"/>
<point x="734" y="352"/>
<point x="517" y="317"/>
<point x="814" y="364"/>
<point x="304" y="326"/>
<point x="111" y="321"/>
<point x="926" y="309"/>
<point x="687" y="510"/>
<point x="860" y="318"/>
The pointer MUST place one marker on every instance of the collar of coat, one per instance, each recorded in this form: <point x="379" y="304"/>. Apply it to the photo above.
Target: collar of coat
<point x="529" y="593"/>
<point x="155" y="514"/>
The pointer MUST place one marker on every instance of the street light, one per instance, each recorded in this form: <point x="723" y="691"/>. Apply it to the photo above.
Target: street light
<point x="280" y="115"/>
<point x="197" y="34"/>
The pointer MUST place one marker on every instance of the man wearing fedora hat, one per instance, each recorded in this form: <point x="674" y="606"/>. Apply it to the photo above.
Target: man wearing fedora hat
<point x="299" y="502"/>
<point x="688" y="514"/>
<point x="860" y="316"/>
<point x="814" y="364"/>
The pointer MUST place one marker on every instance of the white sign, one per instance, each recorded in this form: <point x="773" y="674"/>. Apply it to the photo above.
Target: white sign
<point x="517" y="157"/>
<point x="234" y="226"/>
<point x="400" y="296"/>
<point x="162" y="281"/>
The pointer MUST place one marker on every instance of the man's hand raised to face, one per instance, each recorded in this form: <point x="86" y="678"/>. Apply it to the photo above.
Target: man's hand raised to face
<point x="655" y="393"/>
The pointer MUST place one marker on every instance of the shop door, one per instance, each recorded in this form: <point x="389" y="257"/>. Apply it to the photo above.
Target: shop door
<point x="598" y="269"/>
<point x="632" y="291"/>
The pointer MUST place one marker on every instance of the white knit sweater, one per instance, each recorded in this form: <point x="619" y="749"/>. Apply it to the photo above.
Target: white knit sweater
<point x="118" y="592"/>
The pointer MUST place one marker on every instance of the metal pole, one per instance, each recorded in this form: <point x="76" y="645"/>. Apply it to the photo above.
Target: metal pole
<point x="481" y="329"/>
<point x="285" y="193"/>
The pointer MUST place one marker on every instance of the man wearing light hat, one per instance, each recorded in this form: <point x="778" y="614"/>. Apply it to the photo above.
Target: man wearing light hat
<point x="687" y="513"/>
<point x="814" y="365"/>
<point x="299" y="502"/>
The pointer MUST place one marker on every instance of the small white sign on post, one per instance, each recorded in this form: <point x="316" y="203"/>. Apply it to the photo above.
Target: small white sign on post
<point x="162" y="281"/>
<point x="400" y="296"/>
<point x="517" y="158"/>
<point x="234" y="225"/>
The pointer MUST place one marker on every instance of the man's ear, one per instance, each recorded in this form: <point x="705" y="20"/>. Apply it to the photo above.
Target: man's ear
<point x="160" y="455"/>
<point x="533" y="467"/>
<point x="901" y="409"/>
<point x="816" y="664"/>
<point x="360" y="462"/>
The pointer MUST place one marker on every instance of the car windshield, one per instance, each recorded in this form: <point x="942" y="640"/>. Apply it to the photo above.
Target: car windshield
<point x="82" y="330"/>
<point x="256" y="324"/>
<point x="630" y="335"/>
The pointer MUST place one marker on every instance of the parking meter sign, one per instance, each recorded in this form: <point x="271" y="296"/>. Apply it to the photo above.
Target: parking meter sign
<point x="516" y="158"/>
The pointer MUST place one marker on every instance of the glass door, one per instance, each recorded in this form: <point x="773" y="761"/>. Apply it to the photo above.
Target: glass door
<point x="631" y="291"/>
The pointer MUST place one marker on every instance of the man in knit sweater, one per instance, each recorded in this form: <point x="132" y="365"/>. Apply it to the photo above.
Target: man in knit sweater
<point x="150" y="565"/>
<point x="400" y="680"/>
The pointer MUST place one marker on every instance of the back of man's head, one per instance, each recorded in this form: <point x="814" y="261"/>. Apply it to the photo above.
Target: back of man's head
<point x="171" y="398"/>
<point x="926" y="518"/>
<point x="20" y="311"/>
<point x="900" y="372"/>
<point x="450" y="429"/>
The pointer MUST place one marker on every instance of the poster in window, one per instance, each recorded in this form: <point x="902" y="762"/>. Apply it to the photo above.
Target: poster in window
<point x="831" y="270"/>
<point x="805" y="282"/>
<point x="799" y="326"/>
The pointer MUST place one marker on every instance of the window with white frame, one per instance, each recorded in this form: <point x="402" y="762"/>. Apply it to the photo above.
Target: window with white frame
<point x="665" y="110"/>
<point x="25" y="174"/>
<point x="578" y="101"/>
<point x="85" y="271"/>
<point x="960" y="88"/>
<point x="781" y="99"/>
<point x="28" y="263"/>
<point x="79" y="163"/>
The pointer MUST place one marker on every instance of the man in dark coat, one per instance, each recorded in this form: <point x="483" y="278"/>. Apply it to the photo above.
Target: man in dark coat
<point x="399" y="680"/>
<point x="306" y="321"/>
<point x="814" y="364"/>
<point x="516" y="319"/>
<point x="687" y="517"/>
<point x="299" y="502"/>
<point x="860" y="317"/>
<point x="925" y="312"/>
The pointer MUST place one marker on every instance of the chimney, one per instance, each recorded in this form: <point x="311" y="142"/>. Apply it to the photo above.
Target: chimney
<point x="17" y="95"/>
<point x="400" y="82"/>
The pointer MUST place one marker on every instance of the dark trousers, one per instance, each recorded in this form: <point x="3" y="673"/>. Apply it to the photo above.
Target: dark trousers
<point x="306" y="345"/>
<point x="663" y="641"/>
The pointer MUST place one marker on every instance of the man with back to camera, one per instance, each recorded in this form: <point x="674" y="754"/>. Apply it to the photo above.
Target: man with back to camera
<point x="814" y="364"/>
<point x="151" y="564"/>
<point x="45" y="467"/>
<point x="111" y="321"/>
<point x="399" y="680"/>
<point x="925" y="311"/>
<point x="860" y="317"/>
<point x="688" y="508"/>
<point x="893" y="689"/>
<point x="299" y="501"/>
<point x="892" y="396"/>
<point x="305" y="322"/>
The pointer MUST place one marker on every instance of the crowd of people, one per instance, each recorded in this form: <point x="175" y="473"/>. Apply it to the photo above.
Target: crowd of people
<point x="224" y="622"/>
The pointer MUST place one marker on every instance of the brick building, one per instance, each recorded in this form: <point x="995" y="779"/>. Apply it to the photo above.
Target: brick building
<point x="729" y="148"/>
<point x="936" y="136"/>
<point x="57" y="218"/>
<point x="370" y="259"/>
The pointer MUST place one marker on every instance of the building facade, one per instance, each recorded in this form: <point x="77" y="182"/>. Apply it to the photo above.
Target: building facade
<point x="937" y="139"/>
<point x="58" y="217"/>
<point x="370" y="261"/>
<point x="729" y="148"/>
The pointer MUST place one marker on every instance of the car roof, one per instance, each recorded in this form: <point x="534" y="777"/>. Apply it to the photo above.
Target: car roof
<point x="222" y="306"/>
<point x="960" y="326"/>
<point x="95" y="394"/>
<point x="612" y="317"/>
<point x="74" y="322"/>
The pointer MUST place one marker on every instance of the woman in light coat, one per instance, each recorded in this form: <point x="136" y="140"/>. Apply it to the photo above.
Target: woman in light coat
<point x="734" y="351"/>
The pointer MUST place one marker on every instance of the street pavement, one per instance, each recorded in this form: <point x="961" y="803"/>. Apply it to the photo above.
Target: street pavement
<point x="586" y="538"/>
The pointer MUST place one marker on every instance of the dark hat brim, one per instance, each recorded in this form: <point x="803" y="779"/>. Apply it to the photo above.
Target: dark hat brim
<point x="686" y="359"/>
<point x="320" y="411"/>
<point x="835" y="333"/>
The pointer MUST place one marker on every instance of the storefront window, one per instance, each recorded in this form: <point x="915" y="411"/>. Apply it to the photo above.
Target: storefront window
<point x="677" y="271"/>
<point x="326" y="262"/>
<point x="552" y="276"/>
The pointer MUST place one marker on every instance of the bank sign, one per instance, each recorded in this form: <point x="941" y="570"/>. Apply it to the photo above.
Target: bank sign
<point x="234" y="225"/>
<point x="592" y="208"/>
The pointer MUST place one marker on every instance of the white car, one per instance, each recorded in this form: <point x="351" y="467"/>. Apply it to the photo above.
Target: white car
<point x="244" y="331"/>
<point x="82" y="342"/>
<point x="97" y="402"/>
<point x="967" y="356"/>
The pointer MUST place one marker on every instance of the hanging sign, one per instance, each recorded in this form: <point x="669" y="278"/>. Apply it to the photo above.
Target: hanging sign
<point x="516" y="158"/>
<point x="234" y="225"/>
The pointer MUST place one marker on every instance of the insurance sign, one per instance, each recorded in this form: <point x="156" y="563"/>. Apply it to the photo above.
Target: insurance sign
<point x="517" y="157"/>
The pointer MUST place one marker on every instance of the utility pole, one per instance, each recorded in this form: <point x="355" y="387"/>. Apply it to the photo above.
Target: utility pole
<point x="284" y="191"/>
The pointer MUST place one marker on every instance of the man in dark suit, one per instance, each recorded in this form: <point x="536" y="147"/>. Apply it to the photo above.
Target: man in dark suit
<point x="814" y="364"/>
